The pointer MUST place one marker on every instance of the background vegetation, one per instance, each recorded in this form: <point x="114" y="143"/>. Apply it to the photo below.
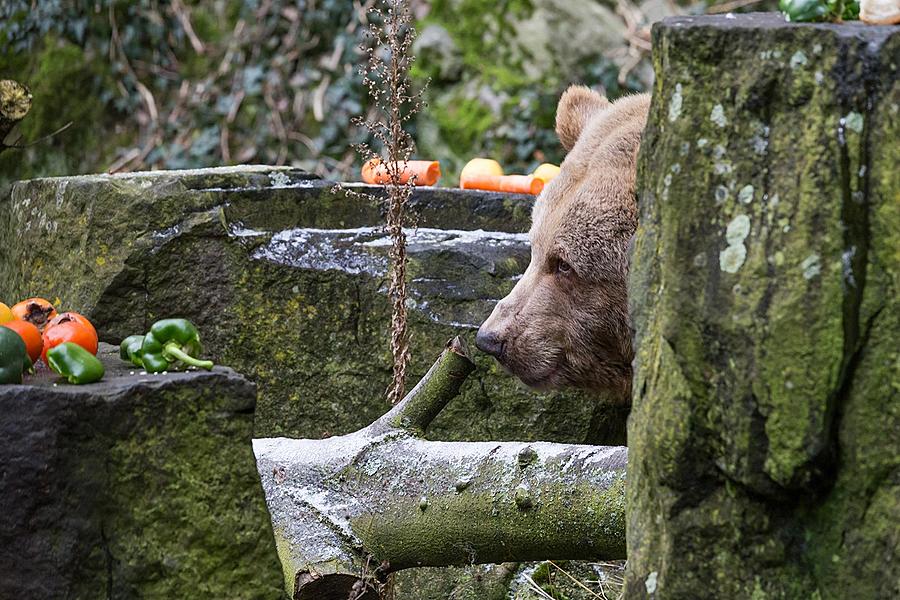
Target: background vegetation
<point x="152" y="84"/>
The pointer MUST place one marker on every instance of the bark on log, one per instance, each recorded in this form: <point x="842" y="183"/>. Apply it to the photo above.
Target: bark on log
<point x="350" y="508"/>
<point x="15" y="102"/>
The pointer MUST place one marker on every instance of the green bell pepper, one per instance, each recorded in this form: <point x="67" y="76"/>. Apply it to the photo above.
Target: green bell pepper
<point x="169" y="342"/>
<point x="849" y="11"/>
<point x="819" y="10"/>
<point x="75" y="363"/>
<point x="798" y="11"/>
<point x="130" y="349"/>
<point x="13" y="358"/>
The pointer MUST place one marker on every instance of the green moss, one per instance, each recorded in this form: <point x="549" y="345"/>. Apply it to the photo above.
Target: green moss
<point x="203" y="543"/>
<point x="598" y="517"/>
<point x="754" y="427"/>
<point x="475" y="582"/>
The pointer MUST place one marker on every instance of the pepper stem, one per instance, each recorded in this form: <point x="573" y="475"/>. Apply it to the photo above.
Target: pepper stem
<point x="174" y="350"/>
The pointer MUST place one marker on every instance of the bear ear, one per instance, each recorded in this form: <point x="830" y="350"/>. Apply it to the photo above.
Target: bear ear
<point x="576" y="107"/>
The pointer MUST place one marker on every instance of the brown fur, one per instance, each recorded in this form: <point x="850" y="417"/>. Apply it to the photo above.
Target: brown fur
<point x="570" y="327"/>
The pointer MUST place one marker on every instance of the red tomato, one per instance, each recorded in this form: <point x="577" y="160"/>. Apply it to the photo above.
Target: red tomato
<point x="29" y="334"/>
<point x="70" y="331"/>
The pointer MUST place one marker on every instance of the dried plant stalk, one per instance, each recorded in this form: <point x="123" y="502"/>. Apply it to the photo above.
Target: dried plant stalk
<point x="389" y="40"/>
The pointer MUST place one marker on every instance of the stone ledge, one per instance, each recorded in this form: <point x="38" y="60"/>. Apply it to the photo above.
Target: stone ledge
<point x="773" y="21"/>
<point x="136" y="486"/>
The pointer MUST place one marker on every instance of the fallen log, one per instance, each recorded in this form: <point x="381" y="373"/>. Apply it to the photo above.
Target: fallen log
<point x="15" y="102"/>
<point x="347" y="510"/>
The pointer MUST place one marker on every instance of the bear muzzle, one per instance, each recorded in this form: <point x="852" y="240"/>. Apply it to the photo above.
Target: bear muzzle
<point x="489" y="342"/>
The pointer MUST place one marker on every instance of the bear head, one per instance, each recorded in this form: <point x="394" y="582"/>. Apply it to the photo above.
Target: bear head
<point x="565" y="323"/>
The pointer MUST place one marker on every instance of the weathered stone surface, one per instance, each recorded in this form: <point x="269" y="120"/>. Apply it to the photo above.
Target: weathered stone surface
<point x="765" y="435"/>
<point x="286" y="279"/>
<point x="134" y="487"/>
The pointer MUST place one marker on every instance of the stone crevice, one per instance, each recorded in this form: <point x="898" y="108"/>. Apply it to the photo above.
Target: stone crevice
<point x="855" y="210"/>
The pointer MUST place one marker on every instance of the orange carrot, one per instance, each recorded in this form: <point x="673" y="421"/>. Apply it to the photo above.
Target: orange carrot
<point x="426" y="172"/>
<point x="514" y="184"/>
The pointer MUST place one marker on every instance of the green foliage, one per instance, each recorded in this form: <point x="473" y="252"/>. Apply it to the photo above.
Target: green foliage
<point x="494" y="87"/>
<point x="176" y="85"/>
<point x="159" y="84"/>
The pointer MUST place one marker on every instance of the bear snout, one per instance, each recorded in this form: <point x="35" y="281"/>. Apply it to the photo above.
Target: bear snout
<point x="489" y="342"/>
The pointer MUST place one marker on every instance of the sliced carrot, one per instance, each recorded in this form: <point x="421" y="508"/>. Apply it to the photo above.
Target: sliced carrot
<point x="426" y="172"/>
<point x="514" y="184"/>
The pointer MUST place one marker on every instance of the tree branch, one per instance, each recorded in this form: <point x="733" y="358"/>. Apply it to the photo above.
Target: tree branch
<point x="440" y="385"/>
<point x="348" y="510"/>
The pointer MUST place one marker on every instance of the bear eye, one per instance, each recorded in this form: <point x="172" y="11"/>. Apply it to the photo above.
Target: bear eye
<point x="562" y="267"/>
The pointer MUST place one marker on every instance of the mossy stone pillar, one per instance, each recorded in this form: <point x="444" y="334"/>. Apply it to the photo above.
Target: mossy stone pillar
<point x="765" y="435"/>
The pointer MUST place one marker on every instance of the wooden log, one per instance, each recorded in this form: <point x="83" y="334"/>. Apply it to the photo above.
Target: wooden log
<point x="348" y="510"/>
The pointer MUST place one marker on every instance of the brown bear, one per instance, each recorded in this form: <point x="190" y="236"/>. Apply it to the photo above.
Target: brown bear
<point x="565" y="323"/>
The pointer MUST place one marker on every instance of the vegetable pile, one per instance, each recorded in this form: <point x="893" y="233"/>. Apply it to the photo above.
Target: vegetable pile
<point x="478" y="174"/>
<point x="67" y="343"/>
<point x="32" y="330"/>
<point x="169" y="344"/>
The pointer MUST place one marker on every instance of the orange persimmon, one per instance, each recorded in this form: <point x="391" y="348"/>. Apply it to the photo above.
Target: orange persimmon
<point x="70" y="331"/>
<point x="29" y="334"/>
<point x="36" y="311"/>
<point x="72" y="316"/>
<point x="426" y="172"/>
<point x="514" y="184"/>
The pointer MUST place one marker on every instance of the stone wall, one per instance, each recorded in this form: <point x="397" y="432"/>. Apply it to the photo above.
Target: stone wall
<point x="285" y="277"/>
<point x="765" y="433"/>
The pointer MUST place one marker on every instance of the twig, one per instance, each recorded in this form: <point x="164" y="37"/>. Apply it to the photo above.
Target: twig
<point x="143" y="90"/>
<point x="229" y="119"/>
<point x="181" y="12"/>
<point x="537" y="589"/>
<point x="638" y="37"/>
<point x="390" y="36"/>
<point x="41" y="139"/>
<point x="575" y="581"/>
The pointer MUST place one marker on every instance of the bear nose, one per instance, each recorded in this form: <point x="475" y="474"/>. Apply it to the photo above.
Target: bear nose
<point x="489" y="342"/>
